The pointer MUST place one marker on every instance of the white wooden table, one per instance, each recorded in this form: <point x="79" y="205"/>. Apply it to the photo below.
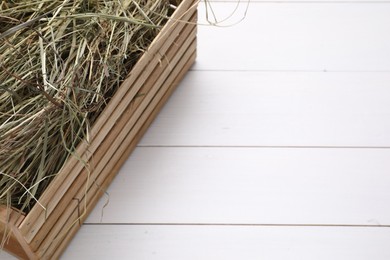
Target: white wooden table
<point x="275" y="146"/>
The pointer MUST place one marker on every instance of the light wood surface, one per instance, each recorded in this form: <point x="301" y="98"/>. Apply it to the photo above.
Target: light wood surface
<point x="298" y="36"/>
<point x="275" y="146"/>
<point x="230" y="243"/>
<point x="251" y="186"/>
<point x="276" y="109"/>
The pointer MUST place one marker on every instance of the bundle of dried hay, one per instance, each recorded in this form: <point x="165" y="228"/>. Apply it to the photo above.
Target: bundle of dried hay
<point x="60" y="62"/>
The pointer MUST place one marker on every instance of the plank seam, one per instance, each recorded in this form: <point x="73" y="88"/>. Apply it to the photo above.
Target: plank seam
<point x="239" y="225"/>
<point x="265" y="147"/>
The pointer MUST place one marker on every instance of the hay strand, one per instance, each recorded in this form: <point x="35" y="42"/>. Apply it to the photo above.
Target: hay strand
<point x="60" y="62"/>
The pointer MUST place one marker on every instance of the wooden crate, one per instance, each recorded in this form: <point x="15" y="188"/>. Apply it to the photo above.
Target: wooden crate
<point x="44" y="233"/>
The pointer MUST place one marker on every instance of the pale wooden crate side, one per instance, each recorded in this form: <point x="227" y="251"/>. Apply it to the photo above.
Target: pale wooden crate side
<point x="59" y="186"/>
<point x="104" y="150"/>
<point x="136" y="108"/>
<point x="126" y="125"/>
<point x="162" y="71"/>
<point x="116" y="165"/>
<point x="126" y="154"/>
<point x="147" y="123"/>
<point x="93" y="187"/>
<point x="58" y="182"/>
<point x="78" y="167"/>
<point x="53" y="252"/>
<point x="134" y="133"/>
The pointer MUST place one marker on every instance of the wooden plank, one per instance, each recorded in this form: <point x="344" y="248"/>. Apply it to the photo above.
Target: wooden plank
<point x="60" y="185"/>
<point x="227" y="242"/>
<point x="276" y="109"/>
<point x="55" y="252"/>
<point x="125" y="150"/>
<point x="297" y="36"/>
<point x="115" y="145"/>
<point x="250" y="186"/>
